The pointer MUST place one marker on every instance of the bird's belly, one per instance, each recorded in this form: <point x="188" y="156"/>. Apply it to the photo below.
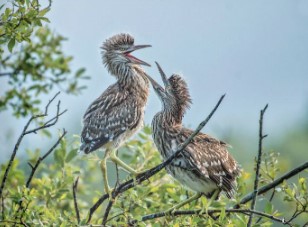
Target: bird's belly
<point x="191" y="180"/>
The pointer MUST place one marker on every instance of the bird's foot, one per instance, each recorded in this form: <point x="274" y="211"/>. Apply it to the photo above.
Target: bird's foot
<point x="108" y="191"/>
<point x="169" y="214"/>
<point x="139" y="172"/>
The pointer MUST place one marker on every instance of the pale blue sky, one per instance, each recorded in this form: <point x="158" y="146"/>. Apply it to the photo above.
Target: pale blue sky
<point x="254" y="51"/>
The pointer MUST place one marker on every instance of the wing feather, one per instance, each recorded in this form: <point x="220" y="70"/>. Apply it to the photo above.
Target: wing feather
<point x="107" y="118"/>
<point x="210" y="159"/>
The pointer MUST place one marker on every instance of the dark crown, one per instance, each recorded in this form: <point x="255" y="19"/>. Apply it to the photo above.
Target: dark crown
<point x="117" y="41"/>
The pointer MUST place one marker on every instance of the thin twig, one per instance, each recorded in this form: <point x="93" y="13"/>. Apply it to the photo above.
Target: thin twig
<point x="2" y="207"/>
<point x="270" y="200"/>
<point x="75" y="199"/>
<point x="115" y="216"/>
<point x="273" y="184"/>
<point x="49" y="123"/>
<point x="40" y="159"/>
<point x="8" y="168"/>
<point x="210" y="212"/>
<point x="6" y="74"/>
<point x="146" y="175"/>
<point x="96" y="206"/>
<point x="16" y="147"/>
<point x="259" y="158"/>
<point x="107" y="211"/>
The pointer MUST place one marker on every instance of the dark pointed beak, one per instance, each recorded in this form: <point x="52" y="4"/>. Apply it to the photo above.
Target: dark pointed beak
<point x="159" y="89"/>
<point x="163" y="75"/>
<point x="133" y="59"/>
<point x="137" y="47"/>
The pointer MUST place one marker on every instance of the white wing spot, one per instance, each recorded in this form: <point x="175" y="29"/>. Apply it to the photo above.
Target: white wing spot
<point x="206" y="164"/>
<point x="173" y="145"/>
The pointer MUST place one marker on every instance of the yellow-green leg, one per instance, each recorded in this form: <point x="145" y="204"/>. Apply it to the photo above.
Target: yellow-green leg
<point x="118" y="161"/>
<point x="172" y="209"/>
<point x="105" y="176"/>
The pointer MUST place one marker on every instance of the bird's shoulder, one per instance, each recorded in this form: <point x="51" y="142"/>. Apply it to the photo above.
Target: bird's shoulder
<point x="112" y="97"/>
<point x="203" y="138"/>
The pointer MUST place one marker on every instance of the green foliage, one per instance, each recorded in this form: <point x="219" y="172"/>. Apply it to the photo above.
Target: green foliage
<point x="33" y="62"/>
<point x="49" y="200"/>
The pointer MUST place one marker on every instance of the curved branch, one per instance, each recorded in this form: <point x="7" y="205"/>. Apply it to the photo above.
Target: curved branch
<point x="211" y="212"/>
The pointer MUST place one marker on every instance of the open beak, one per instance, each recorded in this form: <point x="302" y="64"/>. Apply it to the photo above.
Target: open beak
<point x="132" y="58"/>
<point x="163" y="75"/>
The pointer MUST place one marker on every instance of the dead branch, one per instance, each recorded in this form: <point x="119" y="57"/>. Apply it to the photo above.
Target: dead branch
<point x="75" y="199"/>
<point x="274" y="184"/>
<point x="258" y="165"/>
<point x="211" y="212"/>
<point x="26" y="131"/>
<point x="40" y="159"/>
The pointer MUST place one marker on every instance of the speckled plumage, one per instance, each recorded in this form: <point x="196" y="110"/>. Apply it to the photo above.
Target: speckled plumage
<point x="119" y="111"/>
<point x="205" y="165"/>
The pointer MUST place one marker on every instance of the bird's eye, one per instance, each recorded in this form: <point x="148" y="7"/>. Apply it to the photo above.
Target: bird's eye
<point x="122" y="48"/>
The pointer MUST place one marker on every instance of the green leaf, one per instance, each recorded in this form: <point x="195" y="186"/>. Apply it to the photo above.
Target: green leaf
<point x="147" y="130"/>
<point x="268" y="208"/>
<point x="72" y="154"/>
<point x="80" y="72"/>
<point x="11" y="44"/>
<point x="1" y="6"/>
<point x="43" y="12"/>
<point x="59" y="157"/>
<point x="45" y="19"/>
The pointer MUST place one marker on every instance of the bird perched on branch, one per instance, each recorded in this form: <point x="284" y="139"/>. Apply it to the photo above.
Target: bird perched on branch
<point x="118" y="112"/>
<point x="204" y="166"/>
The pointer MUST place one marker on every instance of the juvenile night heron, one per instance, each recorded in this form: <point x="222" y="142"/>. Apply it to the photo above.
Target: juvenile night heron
<point x="118" y="113"/>
<point x="204" y="166"/>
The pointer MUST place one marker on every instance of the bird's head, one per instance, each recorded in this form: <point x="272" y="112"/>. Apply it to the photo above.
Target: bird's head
<point x="117" y="53"/>
<point x="174" y="95"/>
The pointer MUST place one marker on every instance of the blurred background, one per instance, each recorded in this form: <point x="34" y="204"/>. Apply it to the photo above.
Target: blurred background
<point x="255" y="52"/>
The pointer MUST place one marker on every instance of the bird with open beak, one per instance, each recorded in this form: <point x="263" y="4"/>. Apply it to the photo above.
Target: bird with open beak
<point x="118" y="113"/>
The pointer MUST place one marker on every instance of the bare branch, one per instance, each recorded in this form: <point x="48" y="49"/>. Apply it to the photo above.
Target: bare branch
<point x="6" y="74"/>
<point x="8" y="168"/>
<point x="75" y="199"/>
<point x="40" y="159"/>
<point x="255" y="190"/>
<point x="107" y="211"/>
<point x="146" y="175"/>
<point x="51" y="121"/>
<point x="20" y="138"/>
<point x="96" y="206"/>
<point x="211" y="212"/>
<point x="275" y="183"/>
<point x="2" y="206"/>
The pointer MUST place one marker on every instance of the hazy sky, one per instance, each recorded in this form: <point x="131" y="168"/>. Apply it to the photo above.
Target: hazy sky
<point x="254" y="51"/>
